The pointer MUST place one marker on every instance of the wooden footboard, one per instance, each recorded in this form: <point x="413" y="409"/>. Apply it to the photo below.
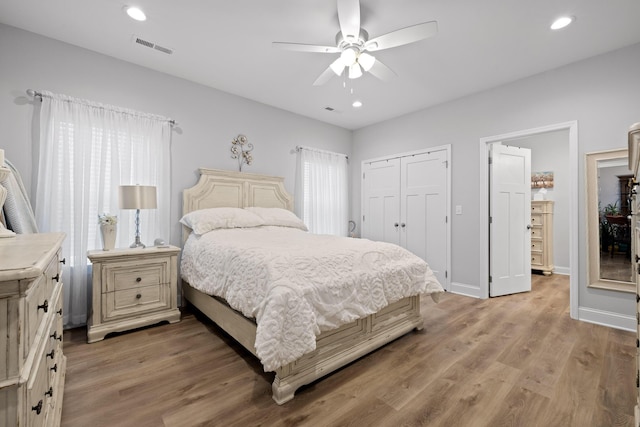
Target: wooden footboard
<point x="334" y="349"/>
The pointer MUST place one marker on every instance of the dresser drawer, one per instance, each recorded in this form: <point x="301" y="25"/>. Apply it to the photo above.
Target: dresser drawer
<point x="130" y="302"/>
<point x="536" y="245"/>
<point x="132" y="275"/>
<point x="54" y="345"/>
<point x="53" y="273"/>
<point x="37" y="305"/>
<point x="536" y="259"/>
<point x="38" y="394"/>
<point x="537" y="219"/>
<point x="536" y="233"/>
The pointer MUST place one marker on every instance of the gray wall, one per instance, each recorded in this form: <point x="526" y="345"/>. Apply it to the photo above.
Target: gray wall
<point x="550" y="153"/>
<point x="208" y="119"/>
<point x="600" y="93"/>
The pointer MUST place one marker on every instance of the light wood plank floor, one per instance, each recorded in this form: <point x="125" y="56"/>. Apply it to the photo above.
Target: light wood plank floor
<point x="517" y="360"/>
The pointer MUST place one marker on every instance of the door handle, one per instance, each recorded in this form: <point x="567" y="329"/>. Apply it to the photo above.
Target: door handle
<point x="528" y="226"/>
<point x="396" y="225"/>
<point x="403" y="225"/>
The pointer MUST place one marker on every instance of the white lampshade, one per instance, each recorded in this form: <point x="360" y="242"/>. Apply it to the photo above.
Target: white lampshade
<point x="355" y="71"/>
<point x="138" y="197"/>
<point x="348" y="56"/>
<point x="366" y="61"/>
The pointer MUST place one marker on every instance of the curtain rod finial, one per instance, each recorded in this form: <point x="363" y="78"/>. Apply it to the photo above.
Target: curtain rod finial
<point x="31" y="92"/>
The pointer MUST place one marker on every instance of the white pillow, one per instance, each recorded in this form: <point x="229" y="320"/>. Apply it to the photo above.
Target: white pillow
<point x="278" y="216"/>
<point x="204" y="220"/>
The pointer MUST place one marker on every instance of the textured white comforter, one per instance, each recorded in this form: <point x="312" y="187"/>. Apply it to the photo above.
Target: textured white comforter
<point x="297" y="284"/>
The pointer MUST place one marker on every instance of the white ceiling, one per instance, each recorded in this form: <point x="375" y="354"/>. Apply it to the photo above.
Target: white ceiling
<point x="226" y="44"/>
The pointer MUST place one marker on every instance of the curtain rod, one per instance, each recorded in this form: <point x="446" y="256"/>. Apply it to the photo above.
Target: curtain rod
<point x="318" y="150"/>
<point x="35" y="94"/>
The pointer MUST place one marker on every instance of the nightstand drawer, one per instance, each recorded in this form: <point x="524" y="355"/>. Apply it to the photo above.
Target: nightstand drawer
<point x="37" y="302"/>
<point x="132" y="275"/>
<point x="537" y="219"/>
<point x="536" y="259"/>
<point x="129" y="302"/>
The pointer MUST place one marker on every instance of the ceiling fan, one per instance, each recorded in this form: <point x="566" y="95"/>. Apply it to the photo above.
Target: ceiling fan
<point x="353" y="43"/>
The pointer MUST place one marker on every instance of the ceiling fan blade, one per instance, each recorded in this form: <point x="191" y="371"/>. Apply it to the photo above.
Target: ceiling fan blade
<point x="301" y="47"/>
<point x="382" y="72"/>
<point x="403" y="36"/>
<point x="349" y="17"/>
<point x="324" y="77"/>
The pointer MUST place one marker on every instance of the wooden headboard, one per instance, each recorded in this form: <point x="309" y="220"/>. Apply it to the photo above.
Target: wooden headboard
<point x="218" y="188"/>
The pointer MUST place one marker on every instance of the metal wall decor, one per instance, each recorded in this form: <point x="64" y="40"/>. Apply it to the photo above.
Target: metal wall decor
<point x="241" y="149"/>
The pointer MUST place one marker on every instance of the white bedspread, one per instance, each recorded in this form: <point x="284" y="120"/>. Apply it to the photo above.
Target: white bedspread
<point x="297" y="284"/>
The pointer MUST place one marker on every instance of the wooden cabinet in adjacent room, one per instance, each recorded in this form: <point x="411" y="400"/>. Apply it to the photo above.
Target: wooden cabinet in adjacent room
<point x="542" y="236"/>
<point x="32" y="363"/>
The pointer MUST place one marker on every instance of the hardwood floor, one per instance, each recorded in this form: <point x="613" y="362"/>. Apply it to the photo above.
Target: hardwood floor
<point x="517" y="360"/>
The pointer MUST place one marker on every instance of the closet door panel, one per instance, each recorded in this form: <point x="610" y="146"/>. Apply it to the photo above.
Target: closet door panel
<point x="423" y="208"/>
<point x="381" y="201"/>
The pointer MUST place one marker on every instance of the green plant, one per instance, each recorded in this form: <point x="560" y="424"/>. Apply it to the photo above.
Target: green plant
<point x="611" y="209"/>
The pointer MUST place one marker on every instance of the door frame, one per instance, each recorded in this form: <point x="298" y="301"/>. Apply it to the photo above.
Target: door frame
<point x="447" y="148"/>
<point x="572" y="127"/>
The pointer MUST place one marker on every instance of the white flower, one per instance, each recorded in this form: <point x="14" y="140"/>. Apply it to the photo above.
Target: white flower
<point x="107" y="219"/>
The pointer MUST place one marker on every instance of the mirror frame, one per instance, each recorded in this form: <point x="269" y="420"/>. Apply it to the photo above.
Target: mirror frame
<point x="593" y="223"/>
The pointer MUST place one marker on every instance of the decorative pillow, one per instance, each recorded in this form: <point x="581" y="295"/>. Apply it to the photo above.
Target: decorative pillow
<point x="204" y="220"/>
<point x="278" y="216"/>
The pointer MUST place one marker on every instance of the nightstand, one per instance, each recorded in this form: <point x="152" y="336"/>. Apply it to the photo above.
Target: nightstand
<point x="132" y="288"/>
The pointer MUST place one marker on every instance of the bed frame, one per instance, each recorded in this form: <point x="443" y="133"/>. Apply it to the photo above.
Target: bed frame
<point x="334" y="349"/>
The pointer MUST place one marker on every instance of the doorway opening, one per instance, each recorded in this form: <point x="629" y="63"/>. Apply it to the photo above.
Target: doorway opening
<point x="485" y="144"/>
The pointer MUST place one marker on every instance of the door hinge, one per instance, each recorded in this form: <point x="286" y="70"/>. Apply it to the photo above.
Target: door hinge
<point x="446" y="219"/>
<point x="362" y="175"/>
<point x="363" y="218"/>
<point x="446" y="274"/>
<point x="490" y="160"/>
<point x="446" y="164"/>
<point x="490" y="279"/>
<point x="490" y="220"/>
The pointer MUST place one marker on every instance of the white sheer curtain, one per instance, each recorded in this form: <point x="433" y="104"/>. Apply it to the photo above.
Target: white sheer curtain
<point x="87" y="150"/>
<point x="321" y="194"/>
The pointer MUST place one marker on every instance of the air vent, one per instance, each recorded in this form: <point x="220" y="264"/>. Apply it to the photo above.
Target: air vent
<point x="152" y="45"/>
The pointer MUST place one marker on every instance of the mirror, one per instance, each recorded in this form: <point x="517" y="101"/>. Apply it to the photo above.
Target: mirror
<point x="609" y="221"/>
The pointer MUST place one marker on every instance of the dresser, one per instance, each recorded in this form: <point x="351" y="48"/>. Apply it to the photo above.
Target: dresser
<point x="132" y="288"/>
<point x="32" y="364"/>
<point x="542" y="236"/>
<point x="634" y="165"/>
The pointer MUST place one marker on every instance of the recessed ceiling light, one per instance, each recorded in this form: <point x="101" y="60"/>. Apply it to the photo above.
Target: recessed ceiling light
<point x="136" y="13"/>
<point x="562" y="22"/>
<point x="357" y="104"/>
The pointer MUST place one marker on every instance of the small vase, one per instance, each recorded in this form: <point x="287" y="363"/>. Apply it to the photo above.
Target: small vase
<point x="108" y="236"/>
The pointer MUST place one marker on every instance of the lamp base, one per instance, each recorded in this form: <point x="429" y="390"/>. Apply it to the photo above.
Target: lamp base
<point x="137" y="245"/>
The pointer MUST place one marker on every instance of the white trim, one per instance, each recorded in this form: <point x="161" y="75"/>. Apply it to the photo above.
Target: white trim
<point x="483" y="216"/>
<point x="561" y="270"/>
<point x="464" y="289"/>
<point x="607" y="318"/>
<point x="447" y="149"/>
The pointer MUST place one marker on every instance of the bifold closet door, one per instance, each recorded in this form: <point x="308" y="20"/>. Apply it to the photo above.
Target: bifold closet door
<point x="381" y="201"/>
<point x="423" y="210"/>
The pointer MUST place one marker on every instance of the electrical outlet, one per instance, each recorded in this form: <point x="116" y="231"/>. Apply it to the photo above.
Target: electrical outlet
<point x="458" y="209"/>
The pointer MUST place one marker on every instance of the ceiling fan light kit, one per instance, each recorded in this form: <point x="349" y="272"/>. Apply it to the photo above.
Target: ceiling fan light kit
<point x="352" y="43"/>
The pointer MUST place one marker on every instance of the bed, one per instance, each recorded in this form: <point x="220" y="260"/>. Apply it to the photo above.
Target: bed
<point x="332" y="348"/>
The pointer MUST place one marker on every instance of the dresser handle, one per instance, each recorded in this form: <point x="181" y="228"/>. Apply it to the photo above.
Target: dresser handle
<point x="63" y="261"/>
<point x="56" y="277"/>
<point x="138" y="296"/>
<point x="138" y="279"/>
<point x="59" y="312"/>
<point x="55" y="336"/>
<point x="44" y="306"/>
<point x="38" y="407"/>
<point x="49" y="393"/>
<point x="52" y="354"/>
<point x="55" y="368"/>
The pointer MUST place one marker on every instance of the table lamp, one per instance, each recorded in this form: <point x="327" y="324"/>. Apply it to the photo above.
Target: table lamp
<point x="138" y="197"/>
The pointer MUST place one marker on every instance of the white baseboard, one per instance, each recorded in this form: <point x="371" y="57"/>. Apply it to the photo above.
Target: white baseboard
<point x="464" y="289"/>
<point x="562" y="270"/>
<point x="607" y="318"/>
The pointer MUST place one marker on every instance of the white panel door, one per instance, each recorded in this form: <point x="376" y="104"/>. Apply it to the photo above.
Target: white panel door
<point x="510" y="219"/>
<point x="423" y="222"/>
<point x="381" y="201"/>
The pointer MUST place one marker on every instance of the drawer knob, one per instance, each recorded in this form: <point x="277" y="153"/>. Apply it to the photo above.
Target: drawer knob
<point x="63" y="261"/>
<point x="56" y="277"/>
<point x="38" y="407"/>
<point x="138" y="279"/>
<point x="49" y="392"/>
<point x="44" y="306"/>
<point x="138" y="296"/>
<point x="52" y="354"/>
<point x="59" y="312"/>
<point x="54" y="368"/>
